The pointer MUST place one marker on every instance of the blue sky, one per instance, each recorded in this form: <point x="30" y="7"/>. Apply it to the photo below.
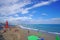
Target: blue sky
<point x="30" y="11"/>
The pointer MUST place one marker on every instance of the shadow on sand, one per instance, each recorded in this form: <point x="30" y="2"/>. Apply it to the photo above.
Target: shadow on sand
<point x="1" y="37"/>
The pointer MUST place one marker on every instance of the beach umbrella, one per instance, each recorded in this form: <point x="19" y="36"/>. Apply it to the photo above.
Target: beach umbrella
<point x="57" y="37"/>
<point x="32" y="37"/>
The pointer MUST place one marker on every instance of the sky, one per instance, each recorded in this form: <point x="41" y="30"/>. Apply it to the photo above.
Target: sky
<point x="30" y="11"/>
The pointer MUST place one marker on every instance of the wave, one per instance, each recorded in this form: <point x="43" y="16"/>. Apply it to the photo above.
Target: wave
<point x="54" y="33"/>
<point x="28" y="28"/>
<point x="38" y="30"/>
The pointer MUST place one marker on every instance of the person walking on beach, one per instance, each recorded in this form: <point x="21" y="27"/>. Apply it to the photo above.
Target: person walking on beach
<point x="6" y="27"/>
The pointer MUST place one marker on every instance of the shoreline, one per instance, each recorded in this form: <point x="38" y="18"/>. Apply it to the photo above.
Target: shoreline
<point x="56" y="33"/>
<point x="44" y="34"/>
<point x="19" y="33"/>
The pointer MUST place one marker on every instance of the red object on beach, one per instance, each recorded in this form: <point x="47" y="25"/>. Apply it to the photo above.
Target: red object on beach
<point x="4" y="30"/>
<point x="6" y="24"/>
<point x="16" y="30"/>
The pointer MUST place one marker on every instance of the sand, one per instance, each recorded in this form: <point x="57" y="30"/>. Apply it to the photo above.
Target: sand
<point x="16" y="33"/>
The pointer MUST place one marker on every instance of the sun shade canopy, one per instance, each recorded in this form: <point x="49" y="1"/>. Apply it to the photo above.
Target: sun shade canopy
<point x="32" y="37"/>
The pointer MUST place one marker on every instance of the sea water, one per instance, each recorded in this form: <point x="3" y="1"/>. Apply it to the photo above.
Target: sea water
<point x="45" y="27"/>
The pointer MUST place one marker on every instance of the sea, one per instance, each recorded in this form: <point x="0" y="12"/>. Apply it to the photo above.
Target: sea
<point x="50" y="28"/>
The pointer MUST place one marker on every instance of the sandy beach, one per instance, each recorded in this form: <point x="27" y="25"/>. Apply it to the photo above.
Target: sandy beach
<point x="17" y="33"/>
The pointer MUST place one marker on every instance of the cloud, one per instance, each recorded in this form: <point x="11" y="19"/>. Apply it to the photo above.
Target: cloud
<point x="16" y="15"/>
<point x="12" y="7"/>
<point x="41" y="4"/>
<point x="29" y="20"/>
<point x="8" y="2"/>
<point x="9" y="7"/>
<point x="44" y="14"/>
<point x="54" y="0"/>
<point x="46" y="21"/>
<point x="38" y="5"/>
<point x="55" y="19"/>
<point x="17" y="18"/>
<point x="26" y="10"/>
<point x="30" y="15"/>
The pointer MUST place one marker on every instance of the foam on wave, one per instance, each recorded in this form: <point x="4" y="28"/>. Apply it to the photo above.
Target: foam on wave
<point x="38" y="30"/>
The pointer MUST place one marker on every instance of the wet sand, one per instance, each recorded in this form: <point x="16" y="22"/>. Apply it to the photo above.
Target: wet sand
<point x="16" y="33"/>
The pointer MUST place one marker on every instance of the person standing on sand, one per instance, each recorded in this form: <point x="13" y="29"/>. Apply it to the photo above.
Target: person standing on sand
<point x="6" y="27"/>
<point x="28" y="32"/>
